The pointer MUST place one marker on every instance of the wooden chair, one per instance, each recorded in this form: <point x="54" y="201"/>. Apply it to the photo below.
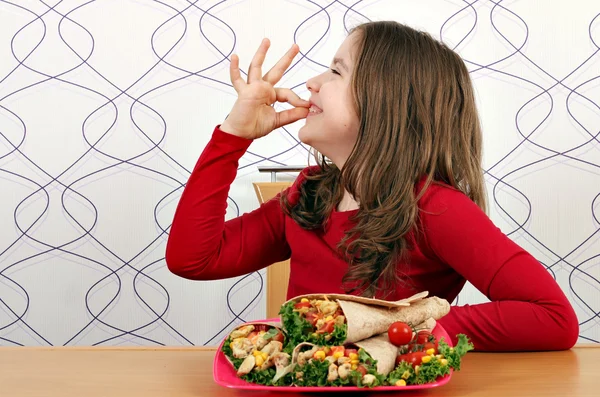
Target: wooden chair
<point x="278" y="274"/>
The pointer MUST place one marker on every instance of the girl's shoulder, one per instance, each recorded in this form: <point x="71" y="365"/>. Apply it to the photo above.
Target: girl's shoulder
<point x="440" y="197"/>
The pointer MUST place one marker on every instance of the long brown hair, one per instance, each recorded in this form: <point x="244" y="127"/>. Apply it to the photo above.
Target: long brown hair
<point x="418" y="120"/>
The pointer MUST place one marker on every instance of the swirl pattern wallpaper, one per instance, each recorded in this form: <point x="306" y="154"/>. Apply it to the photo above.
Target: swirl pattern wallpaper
<point x="106" y="105"/>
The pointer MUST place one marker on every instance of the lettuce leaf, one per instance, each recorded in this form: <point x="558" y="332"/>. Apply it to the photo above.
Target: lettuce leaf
<point x="429" y="372"/>
<point x="300" y="330"/>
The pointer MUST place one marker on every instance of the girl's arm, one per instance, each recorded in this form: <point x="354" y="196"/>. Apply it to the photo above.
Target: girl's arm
<point x="528" y="310"/>
<point x="201" y="245"/>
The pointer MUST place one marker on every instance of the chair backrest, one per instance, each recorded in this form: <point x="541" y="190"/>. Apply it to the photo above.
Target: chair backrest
<point x="278" y="274"/>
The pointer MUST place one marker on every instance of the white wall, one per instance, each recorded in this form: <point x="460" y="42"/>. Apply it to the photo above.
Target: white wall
<point x="106" y="105"/>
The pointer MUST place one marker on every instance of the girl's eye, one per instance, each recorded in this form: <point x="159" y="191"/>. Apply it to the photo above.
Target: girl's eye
<point x="334" y="71"/>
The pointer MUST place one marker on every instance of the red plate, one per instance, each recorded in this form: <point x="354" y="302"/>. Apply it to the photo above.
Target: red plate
<point x="224" y="374"/>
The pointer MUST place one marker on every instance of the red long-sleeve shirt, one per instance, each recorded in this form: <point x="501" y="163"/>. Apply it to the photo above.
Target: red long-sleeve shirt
<point x="528" y="310"/>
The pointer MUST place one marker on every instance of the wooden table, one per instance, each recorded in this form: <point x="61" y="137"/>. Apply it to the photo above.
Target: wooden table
<point x="178" y="372"/>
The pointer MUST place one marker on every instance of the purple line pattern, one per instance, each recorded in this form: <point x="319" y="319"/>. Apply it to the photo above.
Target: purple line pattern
<point x="106" y="105"/>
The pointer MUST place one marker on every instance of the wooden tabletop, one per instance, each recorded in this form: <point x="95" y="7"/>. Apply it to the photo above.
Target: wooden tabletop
<point x="178" y="372"/>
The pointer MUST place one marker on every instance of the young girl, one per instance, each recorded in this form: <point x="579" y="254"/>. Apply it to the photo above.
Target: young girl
<point x="396" y="205"/>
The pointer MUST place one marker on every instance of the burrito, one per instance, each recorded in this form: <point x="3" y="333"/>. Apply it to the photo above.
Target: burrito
<point x="363" y="364"/>
<point x="331" y="319"/>
<point x="256" y="352"/>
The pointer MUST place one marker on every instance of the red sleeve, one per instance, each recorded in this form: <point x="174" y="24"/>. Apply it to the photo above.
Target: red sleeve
<point x="201" y="245"/>
<point x="528" y="310"/>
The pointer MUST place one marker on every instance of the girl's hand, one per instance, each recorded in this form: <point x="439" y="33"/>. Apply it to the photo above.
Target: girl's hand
<point x="252" y="115"/>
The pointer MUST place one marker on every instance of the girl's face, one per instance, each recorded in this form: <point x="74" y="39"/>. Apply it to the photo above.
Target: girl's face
<point x="332" y="125"/>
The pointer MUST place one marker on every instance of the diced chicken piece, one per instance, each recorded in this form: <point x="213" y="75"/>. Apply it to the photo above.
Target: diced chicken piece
<point x="282" y="365"/>
<point x="340" y="320"/>
<point x="260" y="342"/>
<point x="242" y="332"/>
<point x="320" y="323"/>
<point x="299" y="375"/>
<point x="328" y="307"/>
<point x="246" y="366"/>
<point x="241" y="347"/>
<point x="344" y="370"/>
<point x="331" y="359"/>
<point x="272" y="347"/>
<point x="304" y="356"/>
<point x="368" y="379"/>
<point x="268" y="363"/>
<point x="343" y="360"/>
<point x="332" y="373"/>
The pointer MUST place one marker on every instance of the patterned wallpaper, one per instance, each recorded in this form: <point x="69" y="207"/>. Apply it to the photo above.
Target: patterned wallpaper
<point x="106" y="105"/>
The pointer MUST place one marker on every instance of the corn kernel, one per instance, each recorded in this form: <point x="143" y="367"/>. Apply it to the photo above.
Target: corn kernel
<point x="231" y="345"/>
<point x="443" y="361"/>
<point x="417" y="369"/>
<point x="264" y="356"/>
<point x="353" y="367"/>
<point x="303" y="300"/>
<point x="401" y="382"/>
<point x="259" y="361"/>
<point x="353" y="356"/>
<point x="406" y="374"/>
<point x="320" y="355"/>
<point x="431" y="352"/>
<point x="354" y="362"/>
<point x="439" y="356"/>
<point x="328" y="318"/>
<point x="426" y="359"/>
<point x="256" y="353"/>
<point x="337" y="355"/>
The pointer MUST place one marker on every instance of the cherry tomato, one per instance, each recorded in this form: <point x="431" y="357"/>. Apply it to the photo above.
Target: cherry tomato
<point x="423" y="337"/>
<point x="350" y="351"/>
<point x="278" y="337"/>
<point x="416" y="357"/>
<point x="261" y="327"/>
<point x="300" y="305"/>
<point x="327" y="328"/>
<point x="429" y="345"/>
<point x="400" y="333"/>
<point x="362" y="370"/>
<point x="401" y="357"/>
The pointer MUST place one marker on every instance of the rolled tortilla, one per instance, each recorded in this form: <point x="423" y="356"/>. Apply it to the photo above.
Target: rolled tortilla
<point x="378" y="347"/>
<point x="238" y="332"/>
<point x="365" y="321"/>
<point x="381" y="349"/>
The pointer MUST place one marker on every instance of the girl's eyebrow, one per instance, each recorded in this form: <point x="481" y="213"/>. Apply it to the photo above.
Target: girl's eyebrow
<point x="340" y="61"/>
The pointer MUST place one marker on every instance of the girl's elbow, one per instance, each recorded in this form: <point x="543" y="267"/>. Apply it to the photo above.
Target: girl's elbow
<point x="571" y="331"/>
<point x="567" y="330"/>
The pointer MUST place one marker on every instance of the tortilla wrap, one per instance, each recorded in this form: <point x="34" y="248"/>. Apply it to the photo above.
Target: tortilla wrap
<point x="378" y="347"/>
<point x="271" y="324"/>
<point x="367" y="301"/>
<point x="365" y="321"/>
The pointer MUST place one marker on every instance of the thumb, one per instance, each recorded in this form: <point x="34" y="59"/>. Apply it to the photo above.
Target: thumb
<point x="289" y="116"/>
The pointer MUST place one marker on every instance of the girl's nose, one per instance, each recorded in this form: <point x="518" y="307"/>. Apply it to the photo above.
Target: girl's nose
<point x="313" y="84"/>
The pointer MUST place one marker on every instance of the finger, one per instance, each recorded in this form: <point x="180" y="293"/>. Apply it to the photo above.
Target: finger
<point x="277" y="71"/>
<point x="255" y="70"/>
<point x="234" y="73"/>
<point x="289" y="116"/>
<point x="287" y="95"/>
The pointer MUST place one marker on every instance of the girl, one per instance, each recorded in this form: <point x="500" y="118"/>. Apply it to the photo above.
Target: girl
<point x="396" y="205"/>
